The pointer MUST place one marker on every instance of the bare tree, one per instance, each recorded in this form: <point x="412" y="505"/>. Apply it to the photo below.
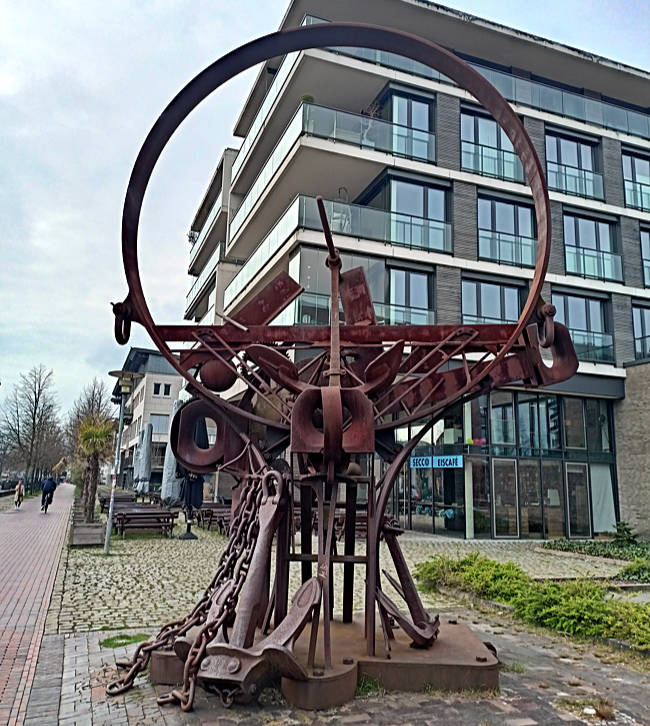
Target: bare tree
<point x="30" y="420"/>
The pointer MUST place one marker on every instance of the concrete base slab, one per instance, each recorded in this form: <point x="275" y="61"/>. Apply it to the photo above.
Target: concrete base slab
<point x="457" y="661"/>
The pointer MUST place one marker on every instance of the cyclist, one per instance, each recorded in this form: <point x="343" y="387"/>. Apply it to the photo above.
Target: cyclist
<point x="49" y="485"/>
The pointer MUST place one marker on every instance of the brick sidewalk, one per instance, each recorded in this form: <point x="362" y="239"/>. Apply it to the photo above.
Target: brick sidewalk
<point x="30" y="547"/>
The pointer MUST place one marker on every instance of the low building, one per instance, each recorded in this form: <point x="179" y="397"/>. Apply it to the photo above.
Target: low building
<point x="151" y="401"/>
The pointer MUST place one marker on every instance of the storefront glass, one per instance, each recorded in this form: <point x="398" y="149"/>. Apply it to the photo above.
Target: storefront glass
<point x="535" y="465"/>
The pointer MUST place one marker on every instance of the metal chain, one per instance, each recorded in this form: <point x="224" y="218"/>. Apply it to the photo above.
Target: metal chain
<point x="233" y="564"/>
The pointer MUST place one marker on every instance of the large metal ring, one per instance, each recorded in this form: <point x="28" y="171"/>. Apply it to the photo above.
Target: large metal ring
<point x="322" y="36"/>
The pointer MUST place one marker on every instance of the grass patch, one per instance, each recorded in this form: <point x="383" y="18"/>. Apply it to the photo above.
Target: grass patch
<point x="579" y="607"/>
<point x="512" y="668"/>
<point x="367" y="687"/>
<point x="602" y="708"/>
<point x="119" y="641"/>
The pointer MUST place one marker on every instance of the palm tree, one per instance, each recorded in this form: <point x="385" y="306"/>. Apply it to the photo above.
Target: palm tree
<point x="95" y="443"/>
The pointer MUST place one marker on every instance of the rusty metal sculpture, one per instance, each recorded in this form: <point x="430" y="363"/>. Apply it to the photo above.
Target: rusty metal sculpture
<point x="329" y="399"/>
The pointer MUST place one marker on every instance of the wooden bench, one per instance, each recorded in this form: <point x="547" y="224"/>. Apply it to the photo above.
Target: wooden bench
<point x="215" y="513"/>
<point x="143" y="520"/>
<point x="121" y="496"/>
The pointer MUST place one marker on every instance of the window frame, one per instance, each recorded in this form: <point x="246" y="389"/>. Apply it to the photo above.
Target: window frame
<point x="501" y="285"/>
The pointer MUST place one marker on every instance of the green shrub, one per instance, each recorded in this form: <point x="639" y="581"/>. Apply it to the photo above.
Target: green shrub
<point x="624" y="535"/>
<point x="577" y="607"/>
<point x="637" y="571"/>
<point x="630" y="621"/>
<point x="437" y="571"/>
<point x="503" y="582"/>
<point x="613" y="549"/>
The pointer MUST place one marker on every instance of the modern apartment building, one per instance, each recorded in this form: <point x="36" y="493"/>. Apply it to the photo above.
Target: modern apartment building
<point x="424" y="191"/>
<point x="151" y="401"/>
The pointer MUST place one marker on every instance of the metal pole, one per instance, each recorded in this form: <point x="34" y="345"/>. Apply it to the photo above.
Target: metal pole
<point x="116" y="464"/>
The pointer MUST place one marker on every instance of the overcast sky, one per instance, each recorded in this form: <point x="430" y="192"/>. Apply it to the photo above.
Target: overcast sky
<point x="81" y="83"/>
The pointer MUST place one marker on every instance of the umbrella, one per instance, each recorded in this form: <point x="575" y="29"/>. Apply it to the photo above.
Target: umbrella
<point x="170" y="492"/>
<point x="137" y="457"/>
<point x="145" y="460"/>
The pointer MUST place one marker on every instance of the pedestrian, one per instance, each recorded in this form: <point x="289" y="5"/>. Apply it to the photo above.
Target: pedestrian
<point x="19" y="493"/>
<point x="49" y="485"/>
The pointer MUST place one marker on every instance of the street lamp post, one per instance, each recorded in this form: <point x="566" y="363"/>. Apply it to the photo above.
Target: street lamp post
<point x="125" y="380"/>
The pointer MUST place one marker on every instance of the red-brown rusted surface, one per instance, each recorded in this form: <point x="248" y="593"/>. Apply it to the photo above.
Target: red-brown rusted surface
<point x="327" y="399"/>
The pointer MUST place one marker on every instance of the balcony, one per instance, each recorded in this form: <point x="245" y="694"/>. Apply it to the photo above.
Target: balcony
<point x="351" y="220"/>
<point x="533" y="94"/>
<point x="490" y="161"/>
<point x="574" y="181"/>
<point x="592" y="263"/>
<point x="642" y="347"/>
<point x="314" y="309"/>
<point x="199" y="283"/>
<point x="508" y="249"/>
<point x="593" y="347"/>
<point x="484" y="320"/>
<point x="205" y="230"/>
<point x="340" y="126"/>
<point x="637" y="195"/>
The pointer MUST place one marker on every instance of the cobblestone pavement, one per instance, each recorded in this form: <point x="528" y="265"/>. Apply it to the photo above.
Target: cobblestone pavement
<point x="541" y="677"/>
<point x="149" y="581"/>
<point x="30" y="543"/>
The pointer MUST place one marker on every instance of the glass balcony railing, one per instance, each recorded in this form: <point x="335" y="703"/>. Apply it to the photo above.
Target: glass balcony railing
<point x="485" y="320"/>
<point x="533" y="94"/>
<point x="264" y="111"/>
<point x="642" y="347"/>
<point x="489" y="161"/>
<point x="314" y="309"/>
<point x="508" y="249"/>
<point x="216" y="208"/>
<point x="637" y="195"/>
<point x="346" y="219"/>
<point x="571" y="180"/>
<point x="344" y="127"/>
<point x="592" y="263"/>
<point x="646" y="273"/>
<point x="593" y="347"/>
<point x="200" y="281"/>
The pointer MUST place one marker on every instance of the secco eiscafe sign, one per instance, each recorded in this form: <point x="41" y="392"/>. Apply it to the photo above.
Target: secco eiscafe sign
<point x="436" y="462"/>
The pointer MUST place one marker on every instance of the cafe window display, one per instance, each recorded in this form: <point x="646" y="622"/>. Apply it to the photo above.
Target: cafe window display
<point x="513" y="464"/>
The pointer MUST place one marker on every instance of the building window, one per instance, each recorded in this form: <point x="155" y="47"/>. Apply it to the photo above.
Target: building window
<point x="160" y="423"/>
<point x="588" y="324"/>
<point x="413" y="125"/>
<point x="419" y="216"/>
<point x="156" y="389"/>
<point x="506" y="232"/>
<point x="488" y="302"/>
<point x="502" y="420"/>
<point x="645" y="256"/>
<point x="575" y="433"/>
<point x="485" y="148"/>
<point x="636" y="178"/>
<point x="571" y="166"/>
<point x="641" y="320"/>
<point x="167" y="389"/>
<point x="590" y="248"/>
<point x="410" y="298"/>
